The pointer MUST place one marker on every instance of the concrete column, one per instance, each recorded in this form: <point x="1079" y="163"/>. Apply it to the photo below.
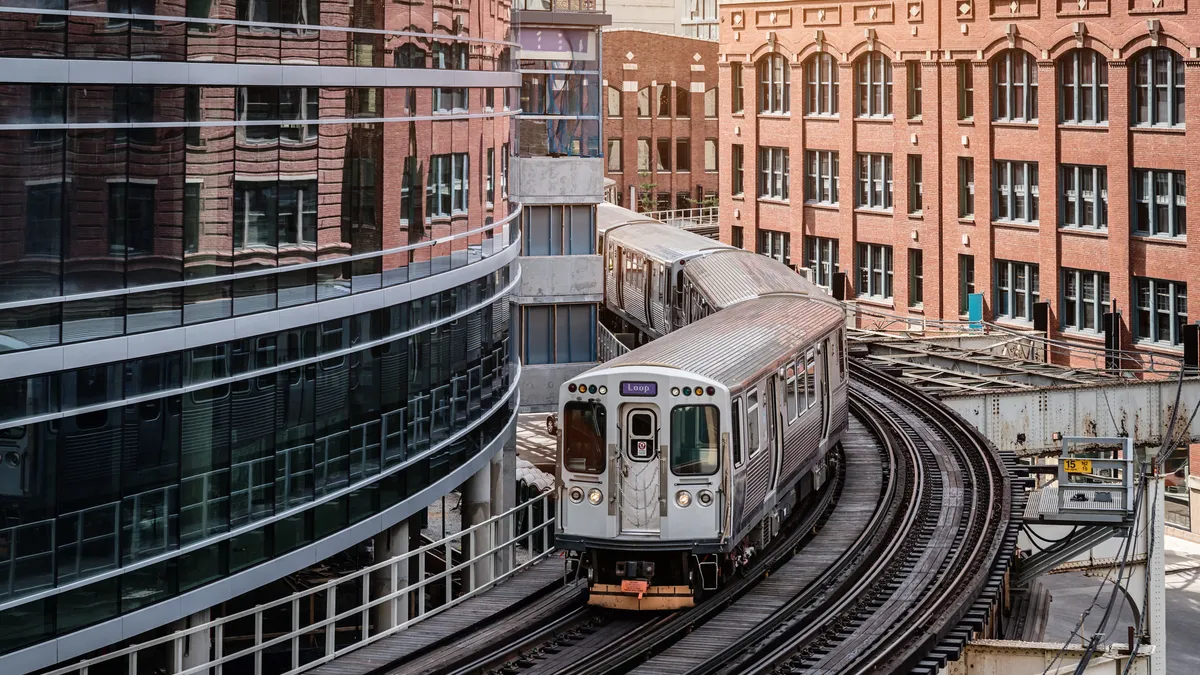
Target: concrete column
<point x="476" y="508"/>
<point x="504" y="498"/>
<point x="389" y="544"/>
<point x="196" y="647"/>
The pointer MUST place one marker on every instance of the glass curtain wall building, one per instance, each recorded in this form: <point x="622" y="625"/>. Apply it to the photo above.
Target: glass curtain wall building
<point x="255" y="262"/>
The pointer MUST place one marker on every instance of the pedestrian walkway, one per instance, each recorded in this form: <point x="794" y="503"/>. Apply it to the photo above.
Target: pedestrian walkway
<point x="467" y="615"/>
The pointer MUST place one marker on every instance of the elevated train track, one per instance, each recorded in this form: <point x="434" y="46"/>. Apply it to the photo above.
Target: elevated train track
<point x="891" y="569"/>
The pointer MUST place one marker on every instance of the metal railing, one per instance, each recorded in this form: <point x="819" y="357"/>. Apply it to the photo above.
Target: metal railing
<point x="608" y="346"/>
<point x="701" y="216"/>
<point x="536" y="516"/>
<point x="561" y="5"/>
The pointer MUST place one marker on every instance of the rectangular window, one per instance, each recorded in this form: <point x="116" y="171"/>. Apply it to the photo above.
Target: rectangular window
<point x="915" y="184"/>
<point x="710" y="103"/>
<point x="683" y="102"/>
<point x="1015" y="197"/>
<point x="1161" y="310"/>
<point x="297" y="223"/>
<point x="913" y="72"/>
<point x="130" y="219"/>
<point x="821" y="177"/>
<point x="299" y="109"/>
<point x="575" y="333"/>
<point x="966" y="91"/>
<point x="504" y="170"/>
<point x="1084" y="200"/>
<point x="539" y="334"/>
<point x="966" y="281"/>
<point x="43" y="218"/>
<point x="821" y="259"/>
<point x="662" y="201"/>
<point x="710" y="155"/>
<point x="1016" y="290"/>
<point x="1160" y="203"/>
<point x="773" y="173"/>
<point x="874" y="182"/>
<point x="191" y="217"/>
<point x="737" y="237"/>
<point x="916" y="277"/>
<point x="614" y="155"/>
<point x="664" y="100"/>
<point x="558" y="230"/>
<point x="662" y="155"/>
<point x="446" y="189"/>
<point x="737" y="153"/>
<point x="738" y="100"/>
<point x="683" y="155"/>
<point x="777" y="245"/>
<point x="875" y="271"/>
<point x="1084" y="300"/>
<point x="643" y="156"/>
<point x="966" y="187"/>
<point x="490" y="177"/>
<point x="873" y="73"/>
<point x="683" y="200"/>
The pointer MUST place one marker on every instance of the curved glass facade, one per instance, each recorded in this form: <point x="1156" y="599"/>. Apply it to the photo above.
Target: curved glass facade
<point x="256" y="157"/>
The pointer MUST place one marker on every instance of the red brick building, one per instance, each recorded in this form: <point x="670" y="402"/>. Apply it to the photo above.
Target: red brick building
<point x="1029" y="151"/>
<point x="660" y="118"/>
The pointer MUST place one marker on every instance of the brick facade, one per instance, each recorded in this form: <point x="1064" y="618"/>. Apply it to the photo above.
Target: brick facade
<point x="941" y="41"/>
<point x="636" y="60"/>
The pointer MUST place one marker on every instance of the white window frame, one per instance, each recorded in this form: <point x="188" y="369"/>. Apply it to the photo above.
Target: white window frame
<point x="773" y="175"/>
<point x="874" y="181"/>
<point x="1012" y="294"/>
<point x="1075" y="198"/>
<point x="774" y="85"/>
<point x="1172" y="88"/>
<point x="821" y="86"/>
<point x="821" y="182"/>
<point x="1014" y="71"/>
<point x="1077" y="307"/>
<point x="1146" y="191"/>
<point x="875" y="267"/>
<point x="1175" y="294"/>
<point x="1012" y="180"/>
<point x="1072" y="68"/>
<point x="873" y="77"/>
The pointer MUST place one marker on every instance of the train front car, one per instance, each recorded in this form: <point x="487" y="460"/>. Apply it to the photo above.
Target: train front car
<point x="643" y="469"/>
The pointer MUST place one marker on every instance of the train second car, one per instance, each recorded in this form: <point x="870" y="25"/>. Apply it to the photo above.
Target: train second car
<point x="679" y="459"/>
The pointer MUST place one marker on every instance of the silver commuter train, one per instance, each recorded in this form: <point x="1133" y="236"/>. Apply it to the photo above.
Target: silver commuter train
<point x="680" y="458"/>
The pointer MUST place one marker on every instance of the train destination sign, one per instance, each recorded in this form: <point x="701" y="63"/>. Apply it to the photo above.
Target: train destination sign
<point x="639" y="389"/>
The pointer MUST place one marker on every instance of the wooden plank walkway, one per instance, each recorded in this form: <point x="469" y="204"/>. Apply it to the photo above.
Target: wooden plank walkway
<point x="468" y="615"/>
<point x="854" y="509"/>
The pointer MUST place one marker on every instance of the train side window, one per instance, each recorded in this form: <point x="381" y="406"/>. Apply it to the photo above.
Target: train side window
<point x="792" y="400"/>
<point x="737" y="432"/>
<point x="752" y="421"/>
<point x="810" y="378"/>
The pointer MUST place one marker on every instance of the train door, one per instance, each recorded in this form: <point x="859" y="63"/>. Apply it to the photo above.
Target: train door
<point x="677" y="305"/>
<point x="826" y="399"/>
<point x="775" y="427"/>
<point x="648" y="290"/>
<point x="620" y="283"/>
<point x="739" y="451"/>
<point x="641" y="471"/>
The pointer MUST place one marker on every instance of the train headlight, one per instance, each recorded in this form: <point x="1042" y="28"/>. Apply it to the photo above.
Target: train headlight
<point x="576" y="494"/>
<point x="595" y="496"/>
<point x="603" y="390"/>
<point x="705" y="497"/>
<point x="683" y="498"/>
<point x="674" y="391"/>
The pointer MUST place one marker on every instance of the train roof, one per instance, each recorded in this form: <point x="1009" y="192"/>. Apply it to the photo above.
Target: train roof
<point x="736" y="275"/>
<point x="738" y="343"/>
<point x="663" y="243"/>
<point x="610" y="215"/>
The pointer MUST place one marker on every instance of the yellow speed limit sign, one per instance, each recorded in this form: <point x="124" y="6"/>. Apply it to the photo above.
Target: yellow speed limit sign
<point x="1077" y="465"/>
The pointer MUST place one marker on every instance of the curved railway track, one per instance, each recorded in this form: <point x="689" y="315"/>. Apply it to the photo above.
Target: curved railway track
<point x="893" y="569"/>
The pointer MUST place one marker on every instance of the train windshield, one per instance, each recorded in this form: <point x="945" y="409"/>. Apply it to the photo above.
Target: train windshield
<point x="584" y="426"/>
<point x="695" y="440"/>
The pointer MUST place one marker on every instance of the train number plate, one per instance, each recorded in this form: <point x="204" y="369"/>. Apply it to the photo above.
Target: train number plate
<point x="634" y="586"/>
<point x="1077" y="465"/>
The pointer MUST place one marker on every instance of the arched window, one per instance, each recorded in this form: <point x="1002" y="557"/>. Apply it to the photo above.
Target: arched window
<point x="614" y="101"/>
<point x="873" y="73"/>
<point x="1014" y="87"/>
<point x="1158" y="88"/>
<point x="820" y="85"/>
<point x="1083" y="87"/>
<point x="774" y="84"/>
